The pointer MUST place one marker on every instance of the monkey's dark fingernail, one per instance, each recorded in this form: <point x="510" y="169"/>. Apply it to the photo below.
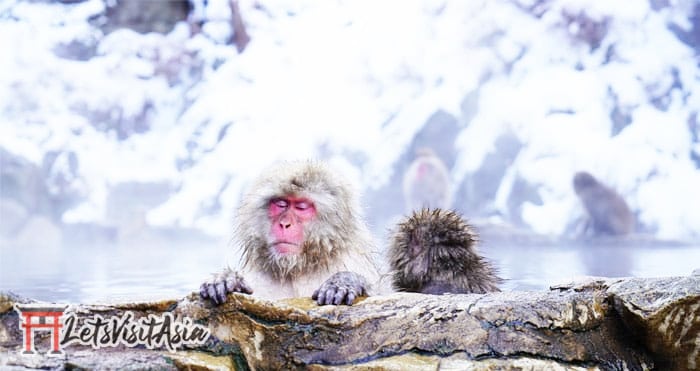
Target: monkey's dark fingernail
<point x="314" y="295"/>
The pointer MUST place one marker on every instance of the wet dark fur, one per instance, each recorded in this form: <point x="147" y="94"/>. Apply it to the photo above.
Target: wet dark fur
<point x="433" y="252"/>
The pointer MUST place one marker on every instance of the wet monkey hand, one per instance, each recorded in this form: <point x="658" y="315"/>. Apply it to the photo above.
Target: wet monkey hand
<point x="222" y="284"/>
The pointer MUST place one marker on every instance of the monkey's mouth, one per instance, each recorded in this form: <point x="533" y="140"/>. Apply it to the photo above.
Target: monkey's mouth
<point x="286" y="248"/>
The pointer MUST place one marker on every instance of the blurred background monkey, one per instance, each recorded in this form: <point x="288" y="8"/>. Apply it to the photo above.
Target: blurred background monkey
<point x="426" y="182"/>
<point x="607" y="212"/>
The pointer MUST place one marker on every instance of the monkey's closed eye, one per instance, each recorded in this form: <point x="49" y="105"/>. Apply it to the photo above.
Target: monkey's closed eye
<point x="302" y="205"/>
<point x="280" y="203"/>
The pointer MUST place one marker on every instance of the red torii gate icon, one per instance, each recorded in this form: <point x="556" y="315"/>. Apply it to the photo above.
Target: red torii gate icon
<point x="41" y="317"/>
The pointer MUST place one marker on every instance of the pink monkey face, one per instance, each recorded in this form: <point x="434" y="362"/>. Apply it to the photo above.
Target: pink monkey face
<point x="289" y="216"/>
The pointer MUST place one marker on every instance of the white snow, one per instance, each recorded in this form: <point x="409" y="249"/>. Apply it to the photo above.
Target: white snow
<point x="354" y="81"/>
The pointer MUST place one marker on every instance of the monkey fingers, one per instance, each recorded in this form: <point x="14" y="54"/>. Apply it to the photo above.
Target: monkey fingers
<point x="218" y="289"/>
<point x="204" y="291"/>
<point x="341" y="288"/>
<point x="236" y="283"/>
<point x="350" y="296"/>
<point x="340" y="295"/>
<point x="226" y="282"/>
<point x="322" y="296"/>
<point x="331" y="296"/>
<point x="208" y="291"/>
<point x="213" y="290"/>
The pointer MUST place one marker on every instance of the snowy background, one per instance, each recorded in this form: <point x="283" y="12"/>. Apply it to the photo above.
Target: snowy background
<point x="108" y="131"/>
<point x="128" y="135"/>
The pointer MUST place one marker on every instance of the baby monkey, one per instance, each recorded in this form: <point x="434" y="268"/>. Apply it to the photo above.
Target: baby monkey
<point x="433" y="251"/>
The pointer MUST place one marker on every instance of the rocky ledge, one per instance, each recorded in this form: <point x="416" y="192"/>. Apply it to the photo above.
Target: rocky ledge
<point x="595" y="323"/>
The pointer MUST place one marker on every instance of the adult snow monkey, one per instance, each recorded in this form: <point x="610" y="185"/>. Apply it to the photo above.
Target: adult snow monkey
<point x="301" y="233"/>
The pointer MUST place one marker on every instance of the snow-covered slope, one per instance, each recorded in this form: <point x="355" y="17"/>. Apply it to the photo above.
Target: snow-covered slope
<point x="578" y="84"/>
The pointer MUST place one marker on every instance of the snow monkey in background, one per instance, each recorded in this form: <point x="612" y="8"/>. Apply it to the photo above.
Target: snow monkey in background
<point x="426" y="183"/>
<point x="433" y="251"/>
<point x="608" y="213"/>
<point x="301" y="233"/>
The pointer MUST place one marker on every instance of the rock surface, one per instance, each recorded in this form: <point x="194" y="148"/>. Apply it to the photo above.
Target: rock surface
<point x="597" y="323"/>
<point x="666" y="315"/>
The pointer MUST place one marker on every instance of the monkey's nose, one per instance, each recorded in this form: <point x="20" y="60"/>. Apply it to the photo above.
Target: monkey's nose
<point x="286" y="221"/>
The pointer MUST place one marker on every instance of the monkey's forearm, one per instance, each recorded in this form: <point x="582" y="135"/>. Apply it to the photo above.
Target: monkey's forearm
<point x="341" y="288"/>
<point x="222" y="284"/>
